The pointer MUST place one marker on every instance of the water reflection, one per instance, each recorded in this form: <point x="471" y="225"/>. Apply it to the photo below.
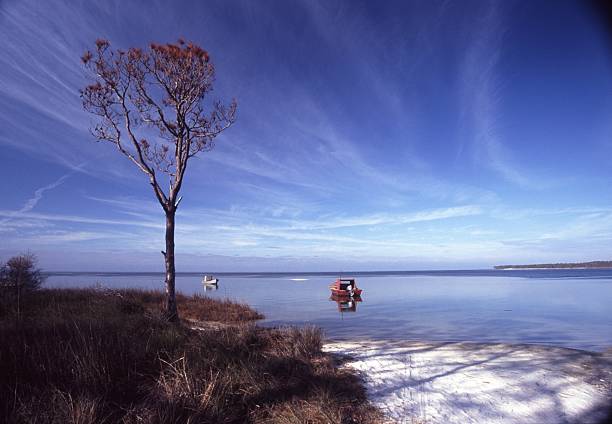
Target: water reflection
<point x="346" y="303"/>
<point x="210" y="287"/>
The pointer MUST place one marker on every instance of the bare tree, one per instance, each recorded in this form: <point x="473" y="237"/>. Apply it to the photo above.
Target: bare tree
<point x="153" y="105"/>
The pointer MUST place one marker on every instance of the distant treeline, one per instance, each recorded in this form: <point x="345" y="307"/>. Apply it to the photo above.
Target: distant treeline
<point x="592" y="264"/>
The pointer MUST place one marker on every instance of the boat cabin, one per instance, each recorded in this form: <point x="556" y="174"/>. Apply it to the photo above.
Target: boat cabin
<point x="345" y="287"/>
<point x="347" y="283"/>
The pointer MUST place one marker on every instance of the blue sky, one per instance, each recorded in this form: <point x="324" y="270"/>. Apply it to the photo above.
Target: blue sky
<point x="370" y="136"/>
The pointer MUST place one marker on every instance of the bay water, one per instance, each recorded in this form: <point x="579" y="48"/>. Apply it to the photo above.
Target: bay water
<point x="568" y="308"/>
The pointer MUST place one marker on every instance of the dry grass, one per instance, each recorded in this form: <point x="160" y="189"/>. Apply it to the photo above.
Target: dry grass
<point x="91" y="356"/>
<point x="201" y="308"/>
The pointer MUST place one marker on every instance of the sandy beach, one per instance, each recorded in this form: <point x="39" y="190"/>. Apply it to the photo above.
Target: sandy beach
<point x="417" y="382"/>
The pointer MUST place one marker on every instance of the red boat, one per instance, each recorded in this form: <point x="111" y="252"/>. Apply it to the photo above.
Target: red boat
<point x="345" y="287"/>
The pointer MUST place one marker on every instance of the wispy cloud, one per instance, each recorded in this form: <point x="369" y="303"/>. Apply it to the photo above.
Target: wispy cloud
<point x="388" y="219"/>
<point x="60" y="237"/>
<point x="482" y="85"/>
<point x="33" y="201"/>
<point x="79" y="219"/>
<point x="38" y="194"/>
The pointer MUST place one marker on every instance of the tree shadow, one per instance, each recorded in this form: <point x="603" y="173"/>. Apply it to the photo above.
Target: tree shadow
<point x="472" y="382"/>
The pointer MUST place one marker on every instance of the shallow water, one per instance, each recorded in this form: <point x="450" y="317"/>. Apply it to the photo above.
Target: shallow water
<point x="569" y="308"/>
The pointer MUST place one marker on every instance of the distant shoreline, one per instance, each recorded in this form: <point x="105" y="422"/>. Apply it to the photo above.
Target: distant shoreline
<point x="527" y="268"/>
<point x="577" y="265"/>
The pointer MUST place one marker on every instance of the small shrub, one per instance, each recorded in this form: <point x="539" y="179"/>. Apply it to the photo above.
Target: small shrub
<point x="21" y="273"/>
<point x="19" y="276"/>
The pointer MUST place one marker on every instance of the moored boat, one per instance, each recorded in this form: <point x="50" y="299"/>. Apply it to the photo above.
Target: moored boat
<point x="345" y="287"/>
<point x="209" y="280"/>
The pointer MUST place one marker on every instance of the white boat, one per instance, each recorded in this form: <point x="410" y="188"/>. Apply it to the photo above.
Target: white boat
<point x="209" y="280"/>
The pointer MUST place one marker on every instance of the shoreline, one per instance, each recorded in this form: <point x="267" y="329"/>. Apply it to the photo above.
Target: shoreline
<point x="467" y="382"/>
<point x="60" y="363"/>
<point x="595" y="349"/>
<point x="551" y="268"/>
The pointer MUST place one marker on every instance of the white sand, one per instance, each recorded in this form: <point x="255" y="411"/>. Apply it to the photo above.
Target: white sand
<point x="414" y="382"/>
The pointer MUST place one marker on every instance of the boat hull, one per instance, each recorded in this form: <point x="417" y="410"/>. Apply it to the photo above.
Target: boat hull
<point x="345" y="293"/>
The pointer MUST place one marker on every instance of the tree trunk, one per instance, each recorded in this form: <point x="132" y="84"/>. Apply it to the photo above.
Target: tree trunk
<point x="171" y="310"/>
<point x="18" y="287"/>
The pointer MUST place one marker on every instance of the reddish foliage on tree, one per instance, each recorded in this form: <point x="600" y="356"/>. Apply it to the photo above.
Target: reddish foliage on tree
<point x="153" y="105"/>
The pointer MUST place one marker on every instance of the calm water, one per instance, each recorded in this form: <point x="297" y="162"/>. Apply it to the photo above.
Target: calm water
<point x="570" y="308"/>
